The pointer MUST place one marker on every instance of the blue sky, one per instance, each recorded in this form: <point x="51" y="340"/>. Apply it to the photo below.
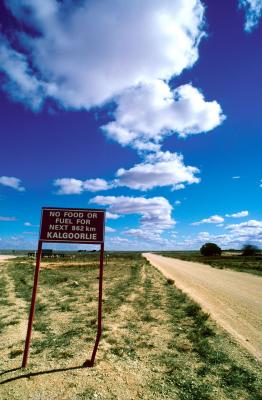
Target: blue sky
<point x="149" y="109"/>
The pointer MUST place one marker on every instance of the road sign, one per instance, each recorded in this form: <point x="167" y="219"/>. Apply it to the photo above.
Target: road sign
<point x="69" y="225"/>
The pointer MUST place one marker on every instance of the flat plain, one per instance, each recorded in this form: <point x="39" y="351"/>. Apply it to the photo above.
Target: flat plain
<point x="233" y="260"/>
<point x="156" y="342"/>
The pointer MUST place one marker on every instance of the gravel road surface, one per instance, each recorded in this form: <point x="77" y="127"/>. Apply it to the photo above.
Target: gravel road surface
<point x="233" y="299"/>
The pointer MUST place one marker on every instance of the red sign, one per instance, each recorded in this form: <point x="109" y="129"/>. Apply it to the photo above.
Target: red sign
<point x="69" y="225"/>
<point x="72" y="225"/>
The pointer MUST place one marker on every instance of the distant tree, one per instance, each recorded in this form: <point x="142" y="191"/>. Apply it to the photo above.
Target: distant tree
<point x="210" y="249"/>
<point x="249" y="250"/>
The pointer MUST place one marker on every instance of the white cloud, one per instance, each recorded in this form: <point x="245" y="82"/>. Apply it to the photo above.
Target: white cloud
<point x="7" y="218"/>
<point x="86" y="52"/>
<point x="146" y="235"/>
<point x="29" y="224"/>
<point x="155" y="211"/>
<point x="179" y="186"/>
<point x="118" y="243"/>
<point x="251" y="227"/>
<point x="245" y="232"/>
<point x="69" y="186"/>
<point x="158" y="169"/>
<point x="110" y="215"/>
<point x="137" y="232"/>
<point x="203" y="236"/>
<point x="239" y="214"/>
<point x="177" y="202"/>
<point x="77" y="60"/>
<point x="21" y="84"/>
<point x="149" y="112"/>
<point x="12" y="182"/>
<point x="235" y="177"/>
<point x="109" y="229"/>
<point x="214" y="219"/>
<point x="95" y="185"/>
<point x="76" y="186"/>
<point x="237" y="236"/>
<point x="260" y="183"/>
<point x="253" y="10"/>
<point x="161" y="169"/>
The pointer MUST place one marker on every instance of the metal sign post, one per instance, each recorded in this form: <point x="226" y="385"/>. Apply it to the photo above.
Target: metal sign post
<point x="69" y="225"/>
<point x="32" y="307"/>
<point x="90" y="363"/>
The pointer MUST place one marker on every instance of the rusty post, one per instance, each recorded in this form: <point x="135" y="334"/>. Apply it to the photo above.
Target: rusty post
<point x="90" y="363"/>
<point x="32" y="307"/>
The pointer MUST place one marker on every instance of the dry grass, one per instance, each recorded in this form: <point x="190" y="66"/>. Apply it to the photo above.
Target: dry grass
<point x="156" y="343"/>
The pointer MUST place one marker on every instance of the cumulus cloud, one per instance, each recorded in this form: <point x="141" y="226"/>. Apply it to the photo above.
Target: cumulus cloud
<point x="95" y="185"/>
<point x="108" y="229"/>
<point x="253" y="11"/>
<point x="77" y="57"/>
<point x="29" y="224"/>
<point x="77" y="186"/>
<point x="203" y="236"/>
<point x="118" y="243"/>
<point x="7" y="219"/>
<point x="239" y="214"/>
<point x="251" y="227"/>
<point x="69" y="186"/>
<point x="179" y="186"/>
<point x="12" y="182"/>
<point x="110" y="215"/>
<point x="240" y="234"/>
<point x="214" y="219"/>
<point x="155" y="211"/>
<point x="236" y="236"/>
<point x="160" y="169"/>
<point x="21" y="83"/>
<point x="149" y="112"/>
<point x="148" y="235"/>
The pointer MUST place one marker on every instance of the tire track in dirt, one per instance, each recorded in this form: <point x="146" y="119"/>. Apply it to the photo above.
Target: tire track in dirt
<point x="232" y="298"/>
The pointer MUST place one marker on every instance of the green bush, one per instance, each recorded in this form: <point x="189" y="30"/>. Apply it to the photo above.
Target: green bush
<point x="210" y="249"/>
<point x="249" y="250"/>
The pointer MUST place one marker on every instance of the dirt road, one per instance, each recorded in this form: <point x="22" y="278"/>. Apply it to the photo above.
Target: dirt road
<point x="5" y="257"/>
<point x="233" y="299"/>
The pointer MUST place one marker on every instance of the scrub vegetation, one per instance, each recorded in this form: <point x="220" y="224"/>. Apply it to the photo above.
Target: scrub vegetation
<point x="156" y="342"/>
<point x="232" y="260"/>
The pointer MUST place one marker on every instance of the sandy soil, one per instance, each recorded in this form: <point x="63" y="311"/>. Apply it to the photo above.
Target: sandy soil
<point x="232" y="298"/>
<point x="5" y="257"/>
